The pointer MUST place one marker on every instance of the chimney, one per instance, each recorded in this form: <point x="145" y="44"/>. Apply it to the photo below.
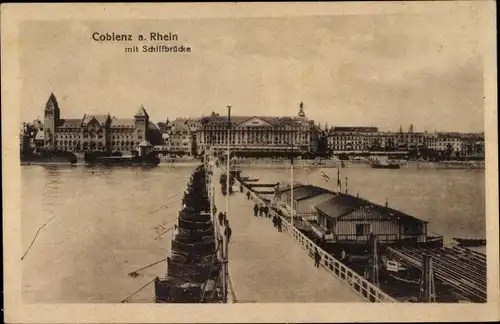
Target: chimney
<point x="386" y="203"/>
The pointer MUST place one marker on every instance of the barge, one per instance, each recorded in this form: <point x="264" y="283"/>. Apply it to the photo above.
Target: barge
<point x="126" y="161"/>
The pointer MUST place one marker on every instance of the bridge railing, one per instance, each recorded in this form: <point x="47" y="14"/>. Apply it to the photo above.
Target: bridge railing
<point x="358" y="283"/>
<point x="354" y="280"/>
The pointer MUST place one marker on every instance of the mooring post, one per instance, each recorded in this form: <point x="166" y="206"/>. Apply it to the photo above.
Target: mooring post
<point x="427" y="286"/>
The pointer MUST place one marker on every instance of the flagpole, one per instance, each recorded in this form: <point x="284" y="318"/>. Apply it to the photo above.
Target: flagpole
<point x="291" y="190"/>
<point x="339" y="184"/>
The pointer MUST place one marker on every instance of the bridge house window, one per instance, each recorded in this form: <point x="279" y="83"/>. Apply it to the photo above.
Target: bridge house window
<point x="362" y="229"/>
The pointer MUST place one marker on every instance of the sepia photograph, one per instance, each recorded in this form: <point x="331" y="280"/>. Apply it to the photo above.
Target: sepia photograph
<point x="302" y="159"/>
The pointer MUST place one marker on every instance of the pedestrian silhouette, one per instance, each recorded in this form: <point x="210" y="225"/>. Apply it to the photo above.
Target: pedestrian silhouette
<point x="317" y="258"/>
<point x="227" y="233"/>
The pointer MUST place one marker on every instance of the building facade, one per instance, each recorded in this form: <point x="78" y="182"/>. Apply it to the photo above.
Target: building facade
<point x="181" y="139"/>
<point x="256" y="133"/>
<point x="369" y="139"/>
<point x="93" y="132"/>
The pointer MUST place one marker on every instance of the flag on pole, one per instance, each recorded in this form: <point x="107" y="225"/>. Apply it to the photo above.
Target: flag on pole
<point x="325" y="176"/>
<point x="339" y="184"/>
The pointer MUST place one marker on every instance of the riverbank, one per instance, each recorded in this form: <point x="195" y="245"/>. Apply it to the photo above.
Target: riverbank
<point x="305" y="164"/>
<point x="187" y="164"/>
<point x="273" y="163"/>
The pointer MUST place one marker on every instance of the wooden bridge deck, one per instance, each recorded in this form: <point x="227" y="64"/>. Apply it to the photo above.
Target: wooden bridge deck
<point x="268" y="266"/>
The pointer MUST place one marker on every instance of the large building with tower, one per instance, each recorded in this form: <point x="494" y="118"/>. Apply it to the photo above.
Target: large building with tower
<point x="256" y="134"/>
<point x="93" y="132"/>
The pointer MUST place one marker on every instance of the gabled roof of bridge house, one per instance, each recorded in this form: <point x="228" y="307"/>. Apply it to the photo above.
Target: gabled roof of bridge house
<point x="343" y="204"/>
<point x="286" y="188"/>
<point x="308" y="191"/>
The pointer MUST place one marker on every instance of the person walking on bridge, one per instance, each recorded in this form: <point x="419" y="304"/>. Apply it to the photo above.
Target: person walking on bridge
<point x="261" y="211"/>
<point x="248" y="195"/>
<point x="221" y="218"/>
<point x="279" y="222"/>
<point x="255" y="210"/>
<point x="317" y="258"/>
<point x="227" y="233"/>
<point x="266" y="211"/>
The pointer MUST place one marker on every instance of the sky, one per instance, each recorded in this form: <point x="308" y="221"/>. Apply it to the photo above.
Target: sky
<point x="349" y="70"/>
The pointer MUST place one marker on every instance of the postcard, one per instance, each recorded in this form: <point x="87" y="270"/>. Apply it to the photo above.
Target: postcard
<point x="250" y="162"/>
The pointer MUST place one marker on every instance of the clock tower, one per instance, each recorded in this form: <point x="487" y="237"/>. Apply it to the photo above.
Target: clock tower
<point x="52" y="115"/>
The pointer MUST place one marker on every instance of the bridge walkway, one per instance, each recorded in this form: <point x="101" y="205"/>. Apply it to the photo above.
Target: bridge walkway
<point x="268" y="266"/>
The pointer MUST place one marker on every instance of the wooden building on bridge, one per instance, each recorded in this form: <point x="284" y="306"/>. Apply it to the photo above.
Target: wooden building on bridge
<point x="305" y="197"/>
<point x="348" y="219"/>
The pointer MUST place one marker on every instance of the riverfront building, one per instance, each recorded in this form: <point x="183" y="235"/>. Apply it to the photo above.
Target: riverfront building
<point x="369" y="139"/>
<point x="256" y="134"/>
<point x="181" y="138"/>
<point x="93" y="132"/>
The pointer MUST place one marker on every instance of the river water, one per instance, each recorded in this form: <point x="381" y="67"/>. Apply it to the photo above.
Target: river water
<point x="105" y="220"/>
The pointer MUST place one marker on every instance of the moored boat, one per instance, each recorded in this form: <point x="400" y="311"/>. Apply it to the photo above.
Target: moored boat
<point x="385" y="166"/>
<point x="197" y="218"/>
<point x="126" y="161"/>
<point x="196" y="226"/>
<point x="470" y="242"/>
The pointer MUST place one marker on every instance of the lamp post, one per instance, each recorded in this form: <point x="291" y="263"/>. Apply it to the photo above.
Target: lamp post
<point x="291" y="186"/>
<point x="228" y="183"/>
